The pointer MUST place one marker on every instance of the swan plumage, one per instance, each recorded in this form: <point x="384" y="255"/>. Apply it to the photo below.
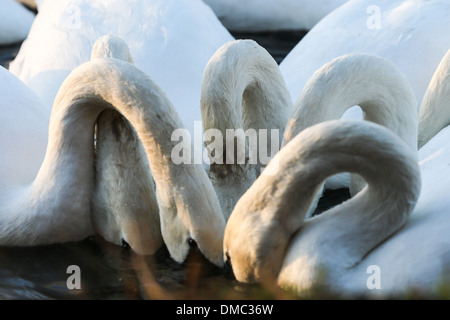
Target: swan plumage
<point x="170" y="40"/>
<point x="374" y="83"/>
<point x="434" y="112"/>
<point x="242" y="89"/>
<point x="403" y="36"/>
<point x="124" y="206"/>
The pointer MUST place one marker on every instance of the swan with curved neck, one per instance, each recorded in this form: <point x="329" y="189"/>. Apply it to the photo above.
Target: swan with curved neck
<point x="371" y="82"/>
<point x="55" y="207"/>
<point x="124" y="206"/>
<point x="242" y="88"/>
<point x="267" y="238"/>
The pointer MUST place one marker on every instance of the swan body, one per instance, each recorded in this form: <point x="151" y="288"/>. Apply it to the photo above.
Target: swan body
<point x="242" y="88"/>
<point x="397" y="30"/>
<point x="15" y="22"/>
<point x="271" y="15"/>
<point x="55" y="207"/>
<point x="170" y="40"/>
<point x="271" y="241"/>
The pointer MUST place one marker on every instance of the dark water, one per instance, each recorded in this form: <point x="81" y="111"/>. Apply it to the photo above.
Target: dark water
<point x="112" y="272"/>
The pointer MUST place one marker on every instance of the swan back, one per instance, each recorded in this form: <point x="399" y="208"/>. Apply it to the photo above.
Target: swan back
<point x="259" y="232"/>
<point x="124" y="206"/>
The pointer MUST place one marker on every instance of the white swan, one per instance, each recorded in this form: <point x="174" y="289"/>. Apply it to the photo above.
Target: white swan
<point x="15" y="22"/>
<point x="124" y="205"/>
<point x="398" y="30"/>
<point x="242" y="88"/>
<point x="270" y="241"/>
<point x="170" y="40"/>
<point x="55" y="206"/>
<point x="23" y="135"/>
<point x="374" y="83"/>
<point x="271" y="15"/>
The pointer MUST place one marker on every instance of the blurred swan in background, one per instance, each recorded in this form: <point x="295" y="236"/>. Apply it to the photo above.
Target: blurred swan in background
<point x="15" y="22"/>
<point x="271" y="15"/>
<point x="170" y="40"/>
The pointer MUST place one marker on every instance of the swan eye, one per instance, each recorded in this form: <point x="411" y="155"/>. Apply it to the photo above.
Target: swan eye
<point x="192" y="243"/>
<point x="125" y="244"/>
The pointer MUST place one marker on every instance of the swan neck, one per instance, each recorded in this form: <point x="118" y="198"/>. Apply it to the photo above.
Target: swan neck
<point x="373" y="83"/>
<point x="434" y="114"/>
<point x="276" y="205"/>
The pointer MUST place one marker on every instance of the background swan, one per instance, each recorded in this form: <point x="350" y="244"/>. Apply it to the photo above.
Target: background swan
<point x="270" y="241"/>
<point x="242" y="88"/>
<point x="170" y="40"/>
<point x="402" y="36"/>
<point x="265" y="15"/>
<point x="15" y="22"/>
<point x="55" y="207"/>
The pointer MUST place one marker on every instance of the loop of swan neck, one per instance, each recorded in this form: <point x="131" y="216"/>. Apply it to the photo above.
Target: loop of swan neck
<point x="280" y="202"/>
<point x="243" y="88"/>
<point x="373" y="83"/>
<point x="434" y="113"/>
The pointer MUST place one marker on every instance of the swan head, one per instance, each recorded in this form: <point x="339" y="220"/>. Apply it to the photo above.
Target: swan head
<point x="254" y="245"/>
<point x="110" y="46"/>
<point x="191" y="217"/>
